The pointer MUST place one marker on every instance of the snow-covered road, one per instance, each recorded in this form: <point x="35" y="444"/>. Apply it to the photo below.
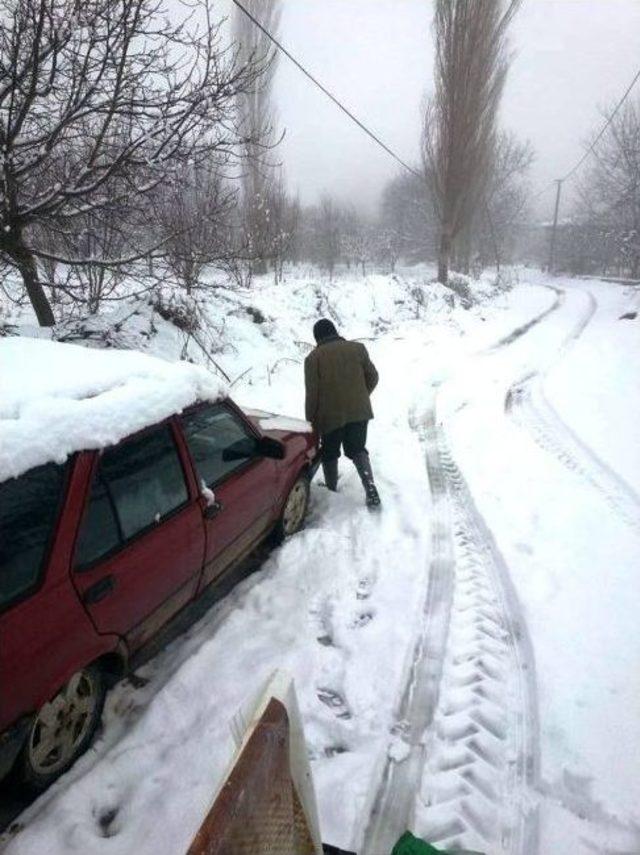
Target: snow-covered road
<point x="467" y="661"/>
<point x="568" y="529"/>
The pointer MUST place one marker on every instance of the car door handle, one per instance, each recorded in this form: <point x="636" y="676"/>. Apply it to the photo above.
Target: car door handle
<point x="99" y="590"/>
<point x="213" y="510"/>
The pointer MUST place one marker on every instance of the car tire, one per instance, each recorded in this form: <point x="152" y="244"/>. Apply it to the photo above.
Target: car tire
<point x="294" y="511"/>
<point x="62" y="730"/>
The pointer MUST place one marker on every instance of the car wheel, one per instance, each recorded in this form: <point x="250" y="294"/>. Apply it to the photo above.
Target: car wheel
<point x="294" y="511"/>
<point x="62" y="729"/>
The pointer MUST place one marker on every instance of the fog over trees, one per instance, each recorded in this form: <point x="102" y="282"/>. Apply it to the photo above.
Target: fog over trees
<point x="603" y="234"/>
<point x="258" y="121"/>
<point x="139" y="150"/>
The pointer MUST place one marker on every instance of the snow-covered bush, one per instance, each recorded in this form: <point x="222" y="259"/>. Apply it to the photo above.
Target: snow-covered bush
<point x="419" y="297"/>
<point x="462" y="288"/>
<point x="506" y="279"/>
<point x="238" y="270"/>
<point x="178" y="308"/>
<point x="256" y="315"/>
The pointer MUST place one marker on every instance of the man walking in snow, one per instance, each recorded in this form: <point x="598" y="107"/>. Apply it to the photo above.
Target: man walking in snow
<point x="339" y="378"/>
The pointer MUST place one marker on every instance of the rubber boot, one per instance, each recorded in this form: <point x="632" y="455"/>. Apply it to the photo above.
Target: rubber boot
<point x="330" y="470"/>
<point x="363" y="465"/>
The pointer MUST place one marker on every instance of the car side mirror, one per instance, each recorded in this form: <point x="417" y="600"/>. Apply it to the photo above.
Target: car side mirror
<point x="271" y="448"/>
<point x="249" y="448"/>
<point x="243" y="449"/>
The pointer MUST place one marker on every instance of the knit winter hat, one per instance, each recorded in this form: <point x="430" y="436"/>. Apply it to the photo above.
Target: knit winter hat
<point x="324" y="329"/>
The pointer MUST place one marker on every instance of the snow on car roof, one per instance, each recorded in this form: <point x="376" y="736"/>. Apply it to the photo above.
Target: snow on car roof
<point x="57" y="398"/>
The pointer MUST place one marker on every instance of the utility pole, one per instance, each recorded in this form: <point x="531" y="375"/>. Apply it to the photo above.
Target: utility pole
<point x="552" y="247"/>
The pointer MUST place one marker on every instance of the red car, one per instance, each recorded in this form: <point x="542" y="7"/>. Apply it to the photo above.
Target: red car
<point x="101" y="552"/>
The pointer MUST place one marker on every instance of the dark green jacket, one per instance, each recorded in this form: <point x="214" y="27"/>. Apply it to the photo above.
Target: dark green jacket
<point x="339" y="377"/>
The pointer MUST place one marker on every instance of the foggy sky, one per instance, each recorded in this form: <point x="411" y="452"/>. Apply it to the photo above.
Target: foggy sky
<point x="570" y="57"/>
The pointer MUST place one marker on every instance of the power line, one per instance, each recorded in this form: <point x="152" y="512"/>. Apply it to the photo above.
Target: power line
<point x="317" y="83"/>
<point x="572" y="172"/>
<point x="591" y="148"/>
<point x="604" y="128"/>
<point x="544" y="190"/>
<point x="385" y="147"/>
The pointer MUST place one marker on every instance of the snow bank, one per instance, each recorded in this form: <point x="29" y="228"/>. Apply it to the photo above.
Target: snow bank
<point x="56" y="398"/>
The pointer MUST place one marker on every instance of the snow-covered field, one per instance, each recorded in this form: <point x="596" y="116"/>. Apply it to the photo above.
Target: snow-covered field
<point x="467" y="661"/>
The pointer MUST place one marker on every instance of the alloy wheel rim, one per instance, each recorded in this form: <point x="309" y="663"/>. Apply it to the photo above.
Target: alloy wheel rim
<point x="295" y="508"/>
<point x="62" y="725"/>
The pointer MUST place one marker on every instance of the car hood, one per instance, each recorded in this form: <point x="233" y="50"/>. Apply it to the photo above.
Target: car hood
<point x="280" y="427"/>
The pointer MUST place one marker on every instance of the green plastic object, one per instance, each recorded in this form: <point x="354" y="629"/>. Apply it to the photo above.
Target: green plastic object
<point x="410" y="845"/>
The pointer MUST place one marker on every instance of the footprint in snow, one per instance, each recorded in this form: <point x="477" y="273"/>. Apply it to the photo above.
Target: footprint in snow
<point x="364" y="588"/>
<point x="335" y="702"/>
<point x="106" y="822"/>
<point x="362" y="620"/>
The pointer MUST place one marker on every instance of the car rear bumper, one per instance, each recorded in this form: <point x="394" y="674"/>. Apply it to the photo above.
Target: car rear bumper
<point x="11" y="741"/>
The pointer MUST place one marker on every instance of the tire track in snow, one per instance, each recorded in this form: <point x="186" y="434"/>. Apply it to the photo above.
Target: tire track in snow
<point x="470" y="704"/>
<point x="527" y="404"/>
<point x="393" y="801"/>
<point x="483" y="763"/>
<point x="455" y="574"/>
<point x="482" y="772"/>
<point x="518" y="332"/>
<point x="469" y="708"/>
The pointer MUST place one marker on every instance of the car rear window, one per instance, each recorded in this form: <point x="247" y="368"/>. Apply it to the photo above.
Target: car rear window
<point x="29" y="507"/>
<point x="137" y="484"/>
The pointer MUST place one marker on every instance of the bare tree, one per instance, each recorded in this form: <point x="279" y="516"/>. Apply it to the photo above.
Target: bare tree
<point x="104" y="92"/>
<point x="358" y="242"/>
<point x="349" y="222"/>
<point x="293" y="231"/>
<point x="283" y="221"/>
<point x="90" y="238"/>
<point x="193" y="211"/>
<point x="408" y="212"/>
<point x="327" y="229"/>
<point x="259" y="124"/>
<point x="459" y="122"/>
<point x="506" y="199"/>
<point x="99" y="237"/>
<point x="607" y="210"/>
<point x="388" y="247"/>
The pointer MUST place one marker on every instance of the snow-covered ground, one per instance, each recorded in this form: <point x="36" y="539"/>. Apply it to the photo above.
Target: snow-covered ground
<point x="591" y="387"/>
<point x="569" y="531"/>
<point x="467" y="661"/>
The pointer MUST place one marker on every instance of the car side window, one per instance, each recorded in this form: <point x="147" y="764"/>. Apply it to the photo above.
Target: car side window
<point x="29" y="507"/>
<point x="137" y="484"/>
<point x="212" y="433"/>
<point x="100" y="532"/>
